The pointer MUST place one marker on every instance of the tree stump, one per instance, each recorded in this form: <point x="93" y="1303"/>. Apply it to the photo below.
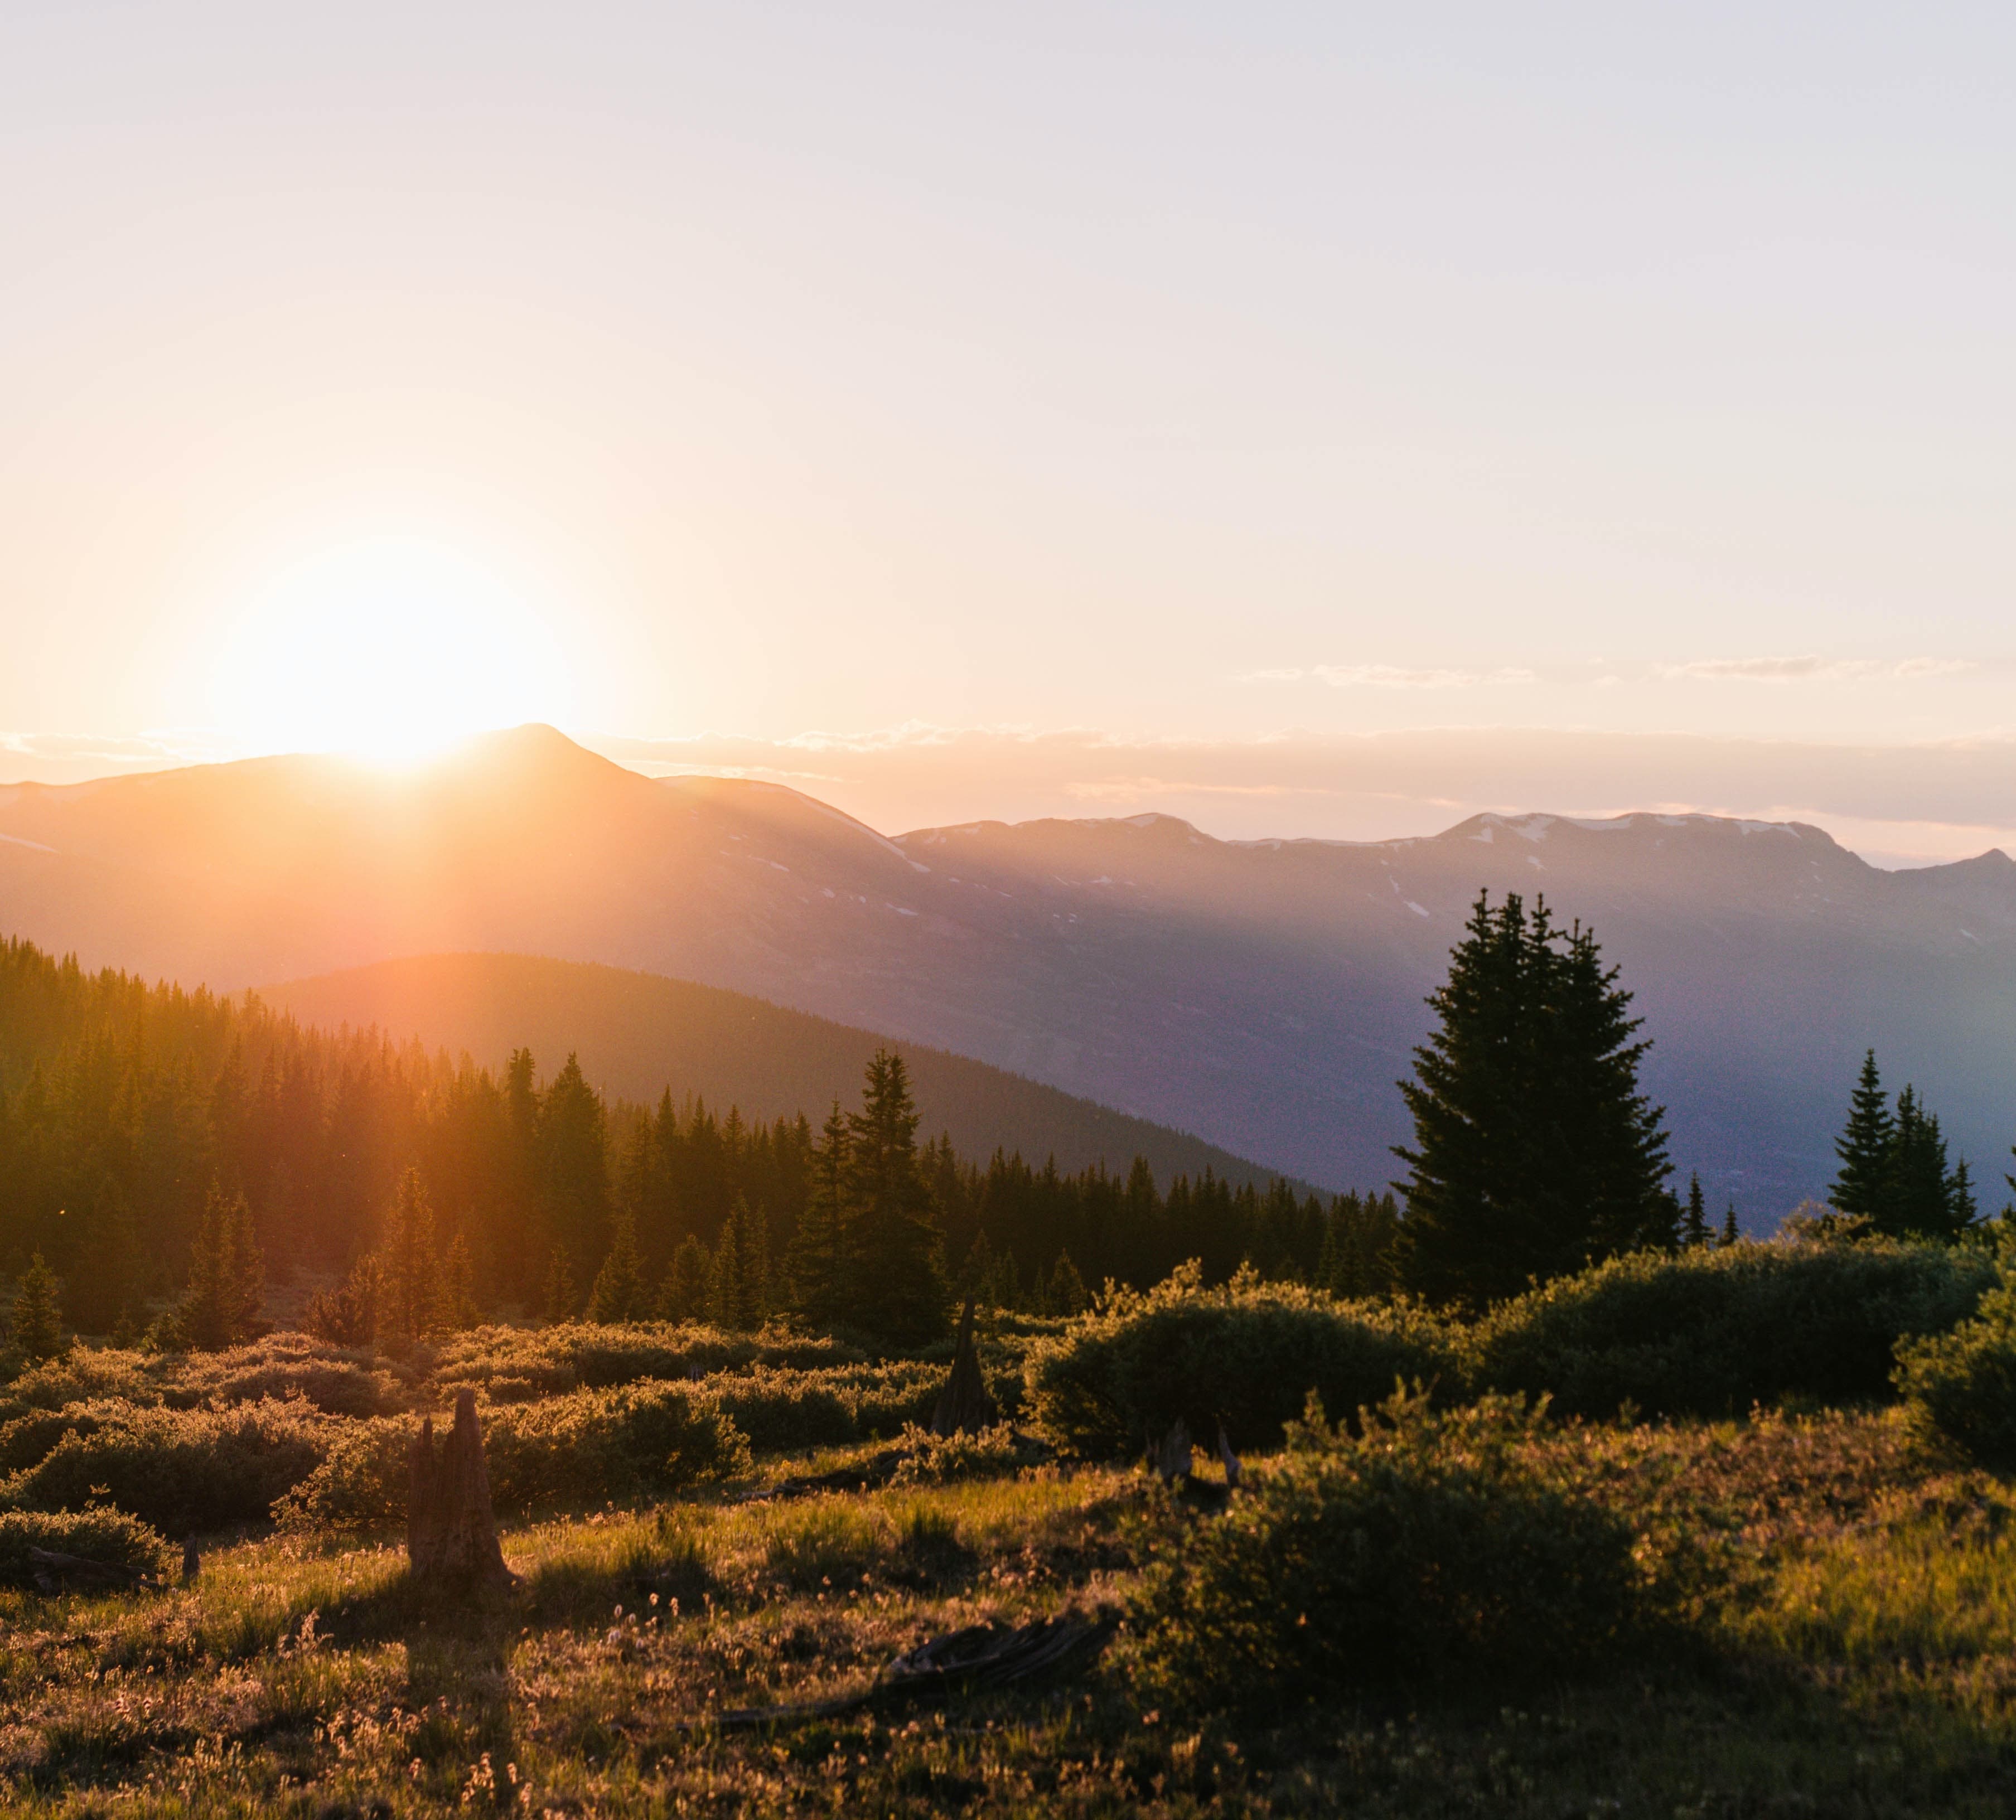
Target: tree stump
<point x="963" y="1405"/>
<point x="451" y="1531"/>
<point x="1171" y="1459"/>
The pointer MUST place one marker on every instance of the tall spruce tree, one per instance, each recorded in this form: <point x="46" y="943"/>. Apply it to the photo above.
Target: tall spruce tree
<point x="738" y="1288"/>
<point x="1730" y="1232"/>
<point x="893" y="1287"/>
<point x="227" y="1286"/>
<point x="618" y="1294"/>
<point x="563" y="1298"/>
<point x="35" y="1330"/>
<point x="684" y="1296"/>
<point x="410" y="1299"/>
<point x="816" y="1258"/>
<point x="1534" y="1150"/>
<point x="1694" y="1226"/>
<point x="1864" y="1146"/>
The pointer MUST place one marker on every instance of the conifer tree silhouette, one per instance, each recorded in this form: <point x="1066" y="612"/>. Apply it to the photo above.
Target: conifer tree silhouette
<point x="1534" y="1151"/>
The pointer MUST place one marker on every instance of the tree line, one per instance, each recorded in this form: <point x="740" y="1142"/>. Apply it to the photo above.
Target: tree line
<point x="139" y="1123"/>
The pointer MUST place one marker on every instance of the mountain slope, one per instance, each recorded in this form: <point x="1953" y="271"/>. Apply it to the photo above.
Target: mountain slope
<point x="639" y="1033"/>
<point x="1263" y="995"/>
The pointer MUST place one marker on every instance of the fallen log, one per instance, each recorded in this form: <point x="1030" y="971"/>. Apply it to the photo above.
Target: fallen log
<point x="979" y="1659"/>
<point x="53" y="1571"/>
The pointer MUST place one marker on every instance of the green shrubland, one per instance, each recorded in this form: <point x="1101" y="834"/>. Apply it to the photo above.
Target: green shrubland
<point x="1709" y="1333"/>
<point x="1247" y="1354"/>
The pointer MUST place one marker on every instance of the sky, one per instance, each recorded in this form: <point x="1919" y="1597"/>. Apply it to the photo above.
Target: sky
<point x="1309" y="420"/>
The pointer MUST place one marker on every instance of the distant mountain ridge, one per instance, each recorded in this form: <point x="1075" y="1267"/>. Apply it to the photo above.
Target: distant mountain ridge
<point x="1264" y="994"/>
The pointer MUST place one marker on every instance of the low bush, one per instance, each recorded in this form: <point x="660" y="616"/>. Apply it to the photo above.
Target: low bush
<point x="108" y="1536"/>
<point x="337" y="1381"/>
<point x="1960" y="1387"/>
<point x="1711" y="1332"/>
<point x="185" y="1471"/>
<point x="563" y="1453"/>
<point x="945" y="1460"/>
<point x="785" y="1409"/>
<point x="1433" y="1548"/>
<point x="1247" y="1354"/>
<point x="548" y="1362"/>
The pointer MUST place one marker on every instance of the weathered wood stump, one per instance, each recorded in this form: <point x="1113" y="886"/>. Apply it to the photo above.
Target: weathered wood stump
<point x="451" y="1531"/>
<point x="1170" y="1457"/>
<point x="192" y="1561"/>
<point x="964" y="1406"/>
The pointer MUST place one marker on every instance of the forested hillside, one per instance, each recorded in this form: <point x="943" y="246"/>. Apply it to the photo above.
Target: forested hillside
<point x="123" y="1105"/>
<point x="639" y="1033"/>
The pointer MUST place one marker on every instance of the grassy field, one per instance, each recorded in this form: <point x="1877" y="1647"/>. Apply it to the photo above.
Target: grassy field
<point x="1841" y="1641"/>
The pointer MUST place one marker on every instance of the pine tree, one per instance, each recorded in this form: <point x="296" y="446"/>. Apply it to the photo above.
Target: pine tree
<point x="1534" y="1150"/>
<point x="457" y="1311"/>
<point x="737" y="1287"/>
<point x="815" y="1260"/>
<point x="1066" y="1294"/>
<point x="891" y="1278"/>
<point x="684" y="1297"/>
<point x="563" y="1299"/>
<point x="410" y="1298"/>
<point x="104" y="1286"/>
<point x="36" y="1331"/>
<point x="227" y="1285"/>
<point x="1729" y="1233"/>
<point x="1962" y="1210"/>
<point x="1864" y="1147"/>
<point x="1693" y="1227"/>
<point x="618" y="1294"/>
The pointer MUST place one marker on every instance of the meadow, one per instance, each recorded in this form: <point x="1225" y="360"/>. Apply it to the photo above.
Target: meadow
<point x="1458" y="1600"/>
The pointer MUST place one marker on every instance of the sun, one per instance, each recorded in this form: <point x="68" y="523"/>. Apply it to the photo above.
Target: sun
<point x="388" y="650"/>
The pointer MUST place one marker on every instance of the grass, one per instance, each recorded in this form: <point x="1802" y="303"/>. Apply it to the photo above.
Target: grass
<point x="1859" y="1659"/>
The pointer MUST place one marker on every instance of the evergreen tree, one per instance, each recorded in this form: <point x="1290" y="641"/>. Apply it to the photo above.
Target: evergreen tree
<point x="1066" y="1294"/>
<point x="409" y="1302"/>
<point x="737" y="1287"/>
<point x="1534" y="1150"/>
<point x="104" y="1286"/>
<point x="618" y="1294"/>
<point x="36" y="1331"/>
<point x="1864" y="1146"/>
<point x="563" y="1299"/>
<point x="227" y="1286"/>
<point x="815" y="1261"/>
<point x="1693" y="1227"/>
<point x="890" y="1276"/>
<point x="458" y="1311"/>
<point x="684" y="1296"/>
<point x="1962" y="1210"/>
<point x="348" y="1314"/>
<point x="1729" y="1233"/>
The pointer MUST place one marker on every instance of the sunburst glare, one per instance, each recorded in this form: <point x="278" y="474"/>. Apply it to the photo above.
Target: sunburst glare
<point x="388" y="650"/>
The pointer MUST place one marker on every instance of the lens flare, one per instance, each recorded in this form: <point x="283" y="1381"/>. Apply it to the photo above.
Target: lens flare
<point x="387" y="650"/>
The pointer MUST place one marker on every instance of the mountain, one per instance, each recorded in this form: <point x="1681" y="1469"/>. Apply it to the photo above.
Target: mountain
<point x="639" y="1033"/>
<point x="1264" y="994"/>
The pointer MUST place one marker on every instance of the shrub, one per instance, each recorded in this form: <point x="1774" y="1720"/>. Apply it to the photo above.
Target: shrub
<point x="1960" y="1387"/>
<point x="937" y="1459"/>
<point x="1247" y="1354"/>
<point x="184" y="1471"/>
<point x="337" y="1380"/>
<point x="99" y="1535"/>
<point x="785" y="1408"/>
<point x="563" y="1453"/>
<point x="29" y="1438"/>
<point x="582" y="1355"/>
<point x="1709" y="1333"/>
<point x="1431" y="1548"/>
<point x="82" y="1375"/>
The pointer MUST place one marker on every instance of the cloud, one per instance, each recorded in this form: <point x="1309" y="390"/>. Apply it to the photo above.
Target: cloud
<point x="1808" y="669"/>
<point x="1388" y="676"/>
